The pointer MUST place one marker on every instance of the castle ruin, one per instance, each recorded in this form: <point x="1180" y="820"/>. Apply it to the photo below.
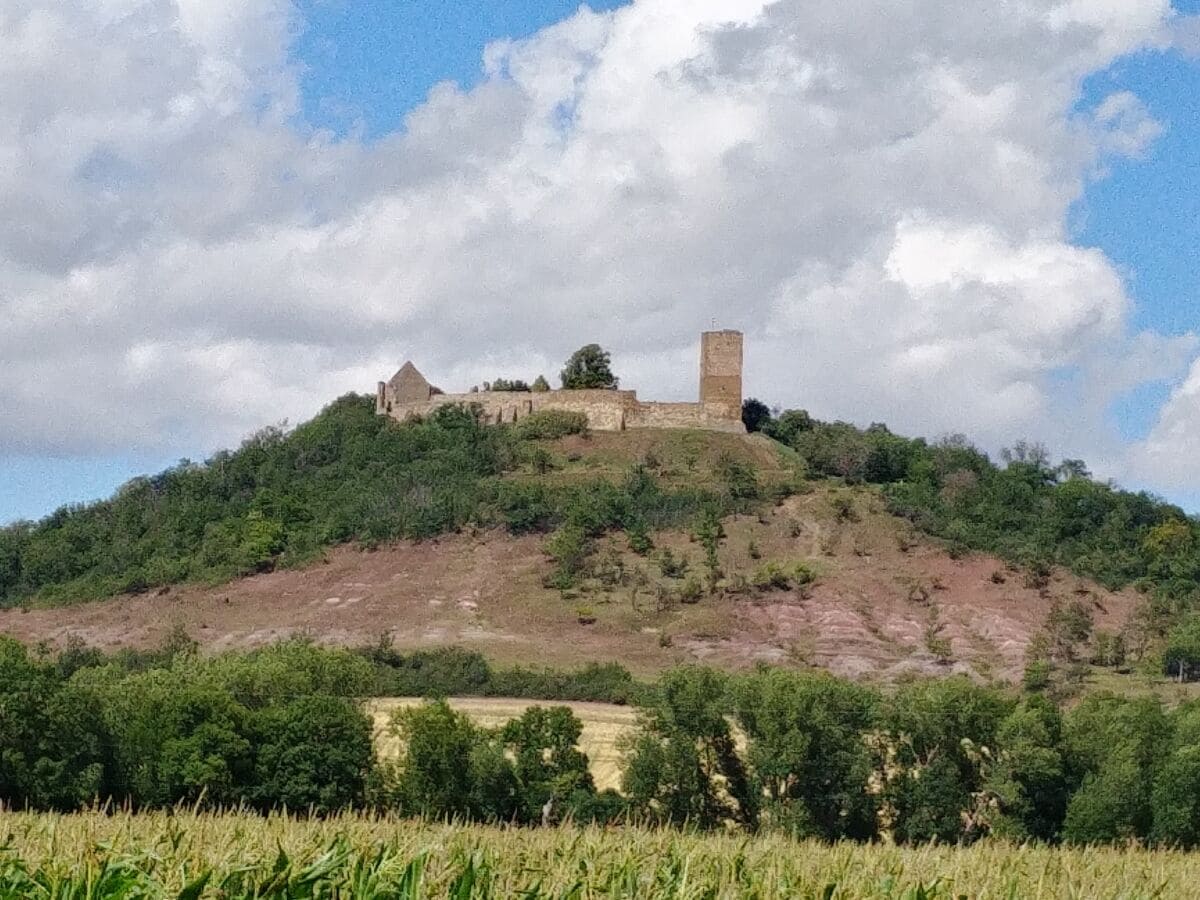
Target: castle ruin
<point x="408" y="395"/>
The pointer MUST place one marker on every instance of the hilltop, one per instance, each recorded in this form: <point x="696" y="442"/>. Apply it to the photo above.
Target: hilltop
<point x="857" y="551"/>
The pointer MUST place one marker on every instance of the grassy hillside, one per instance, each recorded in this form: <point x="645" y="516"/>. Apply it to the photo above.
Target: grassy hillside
<point x="347" y="476"/>
<point x="809" y="542"/>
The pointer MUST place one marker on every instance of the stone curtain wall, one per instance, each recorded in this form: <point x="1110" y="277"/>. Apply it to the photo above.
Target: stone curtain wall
<point x="685" y="415"/>
<point x="720" y="407"/>
<point x="605" y="410"/>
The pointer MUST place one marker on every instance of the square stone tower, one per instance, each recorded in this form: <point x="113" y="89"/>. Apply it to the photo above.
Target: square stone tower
<point x="721" y="372"/>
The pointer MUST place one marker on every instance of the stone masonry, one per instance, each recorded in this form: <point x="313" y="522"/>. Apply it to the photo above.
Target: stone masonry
<point x="408" y="395"/>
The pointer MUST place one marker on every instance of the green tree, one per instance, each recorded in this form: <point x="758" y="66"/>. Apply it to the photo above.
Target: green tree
<point x="755" y="415"/>
<point x="312" y="754"/>
<point x="1030" y="779"/>
<point x="807" y="751"/>
<point x="549" y="767"/>
<point x="54" y="751"/>
<point x="451" y="768"/>
<point x="1181" y="657"/>
<point x="943" y="731"/>
<point x="589" y="367"/>
<point x="177" y="739"/>
<point x="789" y="426"/>
<point x="1113" y="803"/>
<point x="435" y="779"/>
<point x="683" y="765"/>
<point x="1116" y="745"/>
<point x="1175" y="798"/>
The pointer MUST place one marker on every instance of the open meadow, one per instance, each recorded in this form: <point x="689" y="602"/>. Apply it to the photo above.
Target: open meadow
<point x="193" y="855"/>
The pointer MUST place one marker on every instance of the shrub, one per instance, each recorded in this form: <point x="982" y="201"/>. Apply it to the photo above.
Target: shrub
<point x="843" y="508"/>
<point x="1037" y="675"/>
<point x="803" y="574"/>
<point x="639" y="538"/>
<point x="550" y="424"/>
<point x="774" y="576"/>
<point x="740" y="479"/>
<point x="672" y="566"/>
<point x="568" y="547"/>
<point x="691" y="591"/>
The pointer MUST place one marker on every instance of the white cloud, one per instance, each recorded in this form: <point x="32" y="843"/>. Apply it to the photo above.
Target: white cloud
<point x="1185" y="35"/>
<point x="1168" y="457"/>
<point x="878" y="199"/>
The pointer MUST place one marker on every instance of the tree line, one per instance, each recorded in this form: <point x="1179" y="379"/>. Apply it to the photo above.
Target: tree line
<point x="800" y="752"/>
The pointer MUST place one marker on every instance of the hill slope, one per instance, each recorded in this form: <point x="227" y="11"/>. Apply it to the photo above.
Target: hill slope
<point x="859" y="551"/>
<point x="885" y="600"/>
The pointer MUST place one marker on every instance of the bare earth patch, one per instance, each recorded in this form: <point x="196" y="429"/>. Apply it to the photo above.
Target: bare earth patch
<point x="881" y="593"/>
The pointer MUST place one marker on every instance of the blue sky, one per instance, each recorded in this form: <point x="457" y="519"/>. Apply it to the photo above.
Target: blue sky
<point x="1145" y="215"/>
<point x="371" y="63"/>
<point x="365" y="66"/>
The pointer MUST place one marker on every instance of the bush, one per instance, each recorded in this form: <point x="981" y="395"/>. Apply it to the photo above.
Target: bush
<point x="445" y="672"/>
<point x="639" y="538"/>
<point x="1037" y="675"/>
<point x="550" y="424"/>
<point x="569" y="548"/>
<point x="672" y="566"/>
<point x="774" y="576"/>
<point x="691" y="591"/>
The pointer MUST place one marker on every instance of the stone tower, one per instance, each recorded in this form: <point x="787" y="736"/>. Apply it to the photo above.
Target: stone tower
<point x="721" y="372"/>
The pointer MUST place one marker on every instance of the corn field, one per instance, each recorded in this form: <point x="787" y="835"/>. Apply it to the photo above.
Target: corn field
<point x="197" y="855"/>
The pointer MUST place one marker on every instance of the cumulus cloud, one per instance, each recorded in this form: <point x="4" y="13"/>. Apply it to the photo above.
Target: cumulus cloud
<point x="1168" y="456"/>
<point x="878" y="198"/>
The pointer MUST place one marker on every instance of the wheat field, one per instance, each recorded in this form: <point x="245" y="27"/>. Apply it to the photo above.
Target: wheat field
<point x="604" y="725"/>
<point x="191" y="855"/>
